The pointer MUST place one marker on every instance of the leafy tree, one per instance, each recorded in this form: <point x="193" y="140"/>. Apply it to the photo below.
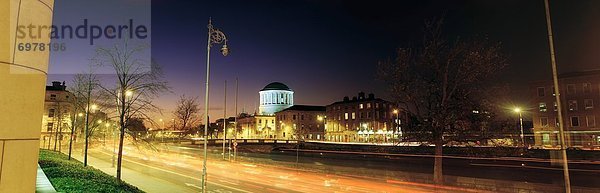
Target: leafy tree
<point x="437" y="81"/>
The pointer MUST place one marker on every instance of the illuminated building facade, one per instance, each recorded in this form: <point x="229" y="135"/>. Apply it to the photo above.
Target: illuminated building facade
<point x="301" y="122"/>
<point x="362" y="119"/>
<point x="581" y="97"/>
<point x="58" y="113"/>
<point x="275" y="97"/>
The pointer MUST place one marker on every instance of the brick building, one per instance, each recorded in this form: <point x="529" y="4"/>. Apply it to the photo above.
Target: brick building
<point x="581" y="95"/>
<point x="362" y="119"/>
<point x="301" y="122"/>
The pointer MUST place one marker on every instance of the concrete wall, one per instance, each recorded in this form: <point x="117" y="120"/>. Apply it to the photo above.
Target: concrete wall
<point x="22" y="84"/>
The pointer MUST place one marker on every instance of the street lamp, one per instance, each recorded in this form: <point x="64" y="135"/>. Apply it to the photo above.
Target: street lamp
<point x="518" y="110"/>
<point x="396" y="124"/>
<point x="215" y="36"/>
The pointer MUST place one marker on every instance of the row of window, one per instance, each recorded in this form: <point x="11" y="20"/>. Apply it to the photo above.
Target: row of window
<point x="575" y="121"/>
<point x="572" y="105"/>
<point x="571" y="89"/>
<point x="362" y="115"/>
<point x="369" y="105"/>
<point x="276" y="98"/>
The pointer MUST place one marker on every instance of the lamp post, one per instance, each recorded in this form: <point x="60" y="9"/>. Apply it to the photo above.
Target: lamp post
<point x="561" y="124"/>
<point x="518" y="110"/>
<point x="215" y="36"/>
<point x="396" y="124"/>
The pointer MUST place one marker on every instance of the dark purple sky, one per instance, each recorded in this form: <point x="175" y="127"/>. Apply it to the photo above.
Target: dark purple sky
<point x="325" y="50"/>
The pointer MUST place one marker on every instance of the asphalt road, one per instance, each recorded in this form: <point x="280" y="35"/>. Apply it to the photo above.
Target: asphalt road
<point x="178" y="169"/>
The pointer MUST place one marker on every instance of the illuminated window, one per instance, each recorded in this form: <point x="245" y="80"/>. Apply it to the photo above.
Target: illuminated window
<point x="572" y="105"/>
<point x="544" y="121"/>
<point x="555" y="106"/>
<point x="346" y="116"/>
<point x="543" y="107"/>
<point x="541" y="91"/>
<point x="546" y="138"/>
<point x="368" y="105"/>
<point x="353" y="115"/>
<point x="50" y="126"/>
<point x="360" y="106"/>
<point x="588" y="103"/>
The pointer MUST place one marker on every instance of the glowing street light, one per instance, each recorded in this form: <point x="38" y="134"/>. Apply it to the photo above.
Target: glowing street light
<point x="80" y="114"/>
<point x="518" y="110"/>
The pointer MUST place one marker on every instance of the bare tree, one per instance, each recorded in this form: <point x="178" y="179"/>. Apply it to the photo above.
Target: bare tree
<point x="84" y="88"/>
<point x="137" y="83"/>
<point x="437" y="81"/>
<point x="187" y="113"/>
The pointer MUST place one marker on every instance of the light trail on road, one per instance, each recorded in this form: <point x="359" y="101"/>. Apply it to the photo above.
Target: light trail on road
<point x="242" y="176"/>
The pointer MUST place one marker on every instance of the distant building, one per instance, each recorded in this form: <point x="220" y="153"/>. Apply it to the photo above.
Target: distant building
<point x="581" y="91"/>
<point x="275" y="97"/>
<point x="58" y="113"/>
<point x="301" y="122"/>
<point x="362" y="119"/>
<point x="257" y="127"/>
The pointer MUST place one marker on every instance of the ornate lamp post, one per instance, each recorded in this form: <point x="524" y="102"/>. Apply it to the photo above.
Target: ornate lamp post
<point x="215" y="36"/>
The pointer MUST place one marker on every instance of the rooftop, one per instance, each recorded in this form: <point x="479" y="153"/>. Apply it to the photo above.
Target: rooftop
<point x="305" y="108"/>
<point x="276" y="86"/>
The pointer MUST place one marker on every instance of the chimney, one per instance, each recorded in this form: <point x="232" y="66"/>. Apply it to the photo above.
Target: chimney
<point x="346" y="99"/>
<point x="371" y="96"/>
<point x="353" y="98"/>
<point x="361" y="95"/>
<point x="56" y="84"/>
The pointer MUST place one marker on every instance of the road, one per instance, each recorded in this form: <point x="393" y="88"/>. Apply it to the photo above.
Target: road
<point x="178" y="169"/>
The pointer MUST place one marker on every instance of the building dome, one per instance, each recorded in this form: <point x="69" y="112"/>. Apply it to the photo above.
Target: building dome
<point x="276" y="86"/>
<point x="275" y="97"/>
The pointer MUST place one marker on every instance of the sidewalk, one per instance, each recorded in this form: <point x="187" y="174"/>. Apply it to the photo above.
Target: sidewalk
<point x="42" y="184"/>
<point x="141" y="180"/>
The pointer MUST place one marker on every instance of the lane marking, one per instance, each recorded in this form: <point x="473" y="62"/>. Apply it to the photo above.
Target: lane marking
<point x="172" y="172"/>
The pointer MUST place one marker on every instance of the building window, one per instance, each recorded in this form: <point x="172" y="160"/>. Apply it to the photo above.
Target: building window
<point x="544" y="121"/>
<point x="543" y="107"/>
<point x="571" y="89"/>
<point x="555" y="106"/>
<point x="346" y="116"/>
<point x="572" y="105"/>
<point x="360" y="106"/>
<point x="50" y="126"/>
<point x="546" y="138"/>
<point x="259" y="121"/>
<point x="587" y="87"/>
<point x="293" y="117"/>
<point x="368" y="115"/>
<point x="588" y="103"/>
<point x="376" y="105"/>
<point x="591" y="120"/>
<point x="368" y="105"/>
<point x="52" y="97"/>
<point x="51" y="112"/>
<point x="541" y="91"/>
<point x="353" y="115"/>
<point x="301" y="117"/>
<point x="574" y="121"/>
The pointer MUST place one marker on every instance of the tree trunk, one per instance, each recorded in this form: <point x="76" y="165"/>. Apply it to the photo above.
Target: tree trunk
<point x="120" y="154"/>
<point x="438" y="177"/>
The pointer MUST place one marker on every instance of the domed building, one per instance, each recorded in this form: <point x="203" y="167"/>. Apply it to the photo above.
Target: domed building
<point x="275" y="97"/>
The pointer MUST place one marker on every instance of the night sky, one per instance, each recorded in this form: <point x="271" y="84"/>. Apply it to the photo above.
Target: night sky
<point x="325" y="50"/>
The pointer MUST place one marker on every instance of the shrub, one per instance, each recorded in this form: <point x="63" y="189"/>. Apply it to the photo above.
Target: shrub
<point x="70" y="175"/>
